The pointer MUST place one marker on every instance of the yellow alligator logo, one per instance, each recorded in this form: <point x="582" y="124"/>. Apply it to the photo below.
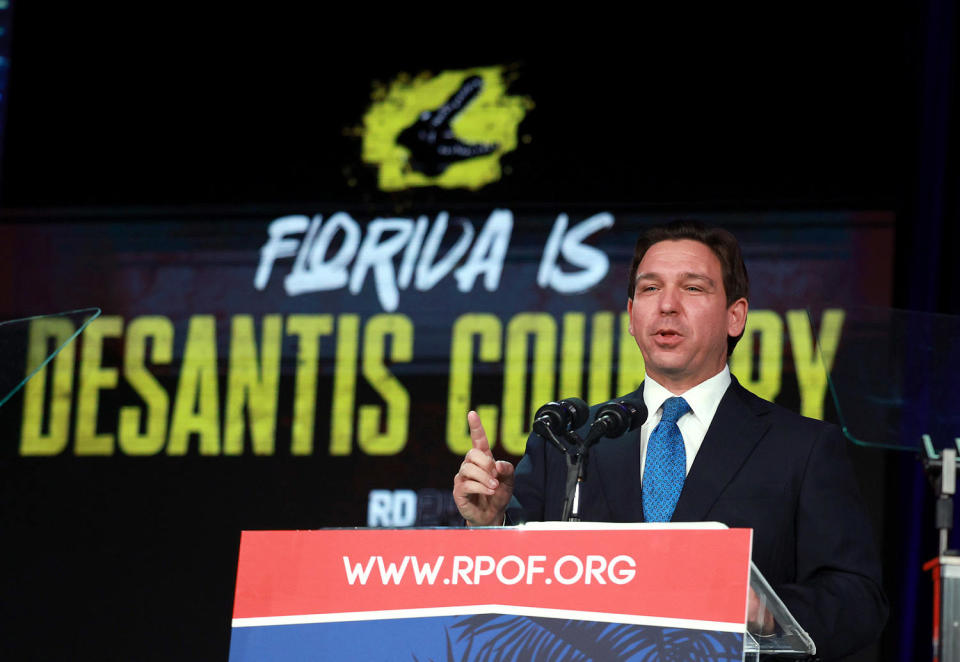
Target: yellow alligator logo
<point x="448" y="130"/>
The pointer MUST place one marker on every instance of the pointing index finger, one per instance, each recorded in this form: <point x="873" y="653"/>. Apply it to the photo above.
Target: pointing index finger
<point x="477" y="435"/>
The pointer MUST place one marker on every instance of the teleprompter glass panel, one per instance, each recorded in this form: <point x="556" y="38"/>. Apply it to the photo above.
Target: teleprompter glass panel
<point x="895" y="377"/>
<point x="28" y="344"/>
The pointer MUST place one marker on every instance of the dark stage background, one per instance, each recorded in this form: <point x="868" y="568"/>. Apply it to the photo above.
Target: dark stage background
<point x="180" y="170"/>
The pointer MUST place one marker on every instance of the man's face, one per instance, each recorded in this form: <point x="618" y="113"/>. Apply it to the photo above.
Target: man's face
<point x="679" y="314"/>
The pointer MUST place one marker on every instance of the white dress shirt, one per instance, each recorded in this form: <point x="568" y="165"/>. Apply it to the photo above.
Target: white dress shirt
<point x="704" y="398"/>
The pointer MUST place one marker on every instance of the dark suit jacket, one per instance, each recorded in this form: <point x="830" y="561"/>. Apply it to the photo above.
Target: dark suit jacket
<point x="762" y="467"/>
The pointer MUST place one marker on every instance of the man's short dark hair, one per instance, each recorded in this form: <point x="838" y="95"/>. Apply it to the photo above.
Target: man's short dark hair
<point x="736" y="284"/>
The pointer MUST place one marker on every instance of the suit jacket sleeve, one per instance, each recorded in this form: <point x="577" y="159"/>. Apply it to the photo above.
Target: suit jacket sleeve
<point x="527" y="503"/>
<point x="837" y="597"/>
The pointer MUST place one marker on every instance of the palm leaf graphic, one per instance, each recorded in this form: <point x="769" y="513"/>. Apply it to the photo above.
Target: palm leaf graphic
<point x="513" y="638"/>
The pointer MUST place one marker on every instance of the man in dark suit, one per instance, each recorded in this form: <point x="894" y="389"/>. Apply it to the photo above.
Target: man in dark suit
<point x="710" y="450"/>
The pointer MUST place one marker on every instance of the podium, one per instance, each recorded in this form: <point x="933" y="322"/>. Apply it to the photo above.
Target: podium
<point x="557" y="591"/>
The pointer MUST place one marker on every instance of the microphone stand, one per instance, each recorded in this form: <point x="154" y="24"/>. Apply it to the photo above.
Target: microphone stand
<point x="613" y="419"/>
<point x="577" y="472"/>
<point x="576" y="462"/>
<point x="576" y="465"/>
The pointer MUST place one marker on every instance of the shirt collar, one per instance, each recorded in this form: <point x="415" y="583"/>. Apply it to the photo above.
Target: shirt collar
<point x="704" y="398"/>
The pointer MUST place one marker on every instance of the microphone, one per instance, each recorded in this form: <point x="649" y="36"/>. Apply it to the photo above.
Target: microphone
<point x="555" y="418"/>
<point x="617" y="417"/>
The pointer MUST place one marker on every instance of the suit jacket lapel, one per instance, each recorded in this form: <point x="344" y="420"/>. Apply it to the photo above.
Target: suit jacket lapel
<point x="735" y="430"/>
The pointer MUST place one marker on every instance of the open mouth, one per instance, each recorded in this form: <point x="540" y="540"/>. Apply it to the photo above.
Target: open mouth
<point x="667" y="336"/>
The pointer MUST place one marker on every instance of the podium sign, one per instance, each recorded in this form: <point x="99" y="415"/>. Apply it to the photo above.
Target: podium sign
<point x="600" y="591"/>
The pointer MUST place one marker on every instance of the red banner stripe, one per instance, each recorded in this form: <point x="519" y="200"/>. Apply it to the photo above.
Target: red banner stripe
<point x="661" y="573"/>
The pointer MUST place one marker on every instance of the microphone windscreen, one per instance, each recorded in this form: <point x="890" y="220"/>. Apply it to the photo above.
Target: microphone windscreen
<point x="579" y="410"/>
<point x="638" y="412"/>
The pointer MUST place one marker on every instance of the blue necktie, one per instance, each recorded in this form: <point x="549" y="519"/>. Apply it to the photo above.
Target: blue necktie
<point x="666" y="466"/>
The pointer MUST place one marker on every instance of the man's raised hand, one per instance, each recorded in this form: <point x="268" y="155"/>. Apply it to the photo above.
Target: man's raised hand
<point x="483" y="486"/>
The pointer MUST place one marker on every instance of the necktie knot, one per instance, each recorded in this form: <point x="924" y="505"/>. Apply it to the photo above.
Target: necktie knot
<point x="674" y="408"/>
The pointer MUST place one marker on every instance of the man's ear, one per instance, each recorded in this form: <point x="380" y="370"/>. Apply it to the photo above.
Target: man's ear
<point x="630" y="317"/>
<point x="737" y="317"/>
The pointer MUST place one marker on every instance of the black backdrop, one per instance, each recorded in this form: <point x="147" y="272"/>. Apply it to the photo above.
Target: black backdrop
<point x="146" y="156"/>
